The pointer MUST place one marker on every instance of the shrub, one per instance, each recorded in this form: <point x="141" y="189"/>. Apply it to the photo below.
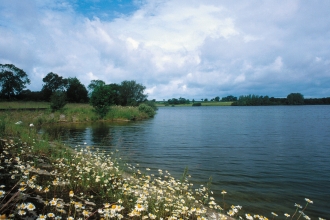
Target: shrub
<point x="147" y="109"/>
<point x="100" y="100"/>
<point x="197" y="104"/>
<point x="57" y="100"/>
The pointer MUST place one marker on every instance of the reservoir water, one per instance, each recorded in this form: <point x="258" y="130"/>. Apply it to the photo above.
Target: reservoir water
<point x="267" y="158"/>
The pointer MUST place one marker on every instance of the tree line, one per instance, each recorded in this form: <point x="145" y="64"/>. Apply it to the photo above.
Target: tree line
<point x="291" y="99"/>
<point x="13" y="82"/>
<point x="57" y="90"/>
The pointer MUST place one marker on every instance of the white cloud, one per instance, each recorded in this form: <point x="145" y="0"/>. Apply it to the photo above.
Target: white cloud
<point x="175" y="48"/>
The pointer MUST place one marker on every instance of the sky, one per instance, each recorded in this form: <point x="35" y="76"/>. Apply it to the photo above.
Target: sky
<point x="176" y="48"/>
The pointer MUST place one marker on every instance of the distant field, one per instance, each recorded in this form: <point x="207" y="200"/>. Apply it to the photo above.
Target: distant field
<point x="161" y="104"/>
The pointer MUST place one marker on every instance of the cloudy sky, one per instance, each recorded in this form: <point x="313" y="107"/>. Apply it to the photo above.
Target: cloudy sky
<point x="176" y="48"/>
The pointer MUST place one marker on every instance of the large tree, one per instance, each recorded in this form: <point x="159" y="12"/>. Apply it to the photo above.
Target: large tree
<point x="53" y="82"/>
<point x="76" y="91"/>
<point x="12" y="80"/>
<point x="131" y="93"/>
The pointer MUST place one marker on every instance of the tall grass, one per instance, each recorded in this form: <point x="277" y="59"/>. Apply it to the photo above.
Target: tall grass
<point x="23" y="105"/>
<point x="72" y="112"/>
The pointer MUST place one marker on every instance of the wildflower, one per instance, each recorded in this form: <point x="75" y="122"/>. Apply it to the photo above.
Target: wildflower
<point x="139" y="207"/>
<point x="2" y="186"/>
<point x="212" y="203"/>
<point x="306" y="217"/>
<point x="2" y="193"/>
<point x="21" y="212"/>
<point x="152" y="216"/>
<point x="30" y="206"/>
<point x="78" y="205"/>
<point x="297" y="205"/>
<point x="51" y="215"/>
<point x="223" y="192"/>
<point x="231" y="213"/>
<point x="106" y="205"/>
<point x="321" y="218"/>
<point x="71" y="193"/>
<point x="41" y="217"/>
<point x="273" y="213"/>
<point x="248" y="216"/>
<point x="287" y="215"/>
<point x="46" y="189"/>
<point x="86" y="213"/>
<point x="53" y="202"/>
<point x="22" y="189"/>
<point x="309" y="201"/>
<point x="70" y="218"/>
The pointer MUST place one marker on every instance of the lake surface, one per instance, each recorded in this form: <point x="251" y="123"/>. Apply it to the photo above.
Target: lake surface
<point x="267" y="158"/>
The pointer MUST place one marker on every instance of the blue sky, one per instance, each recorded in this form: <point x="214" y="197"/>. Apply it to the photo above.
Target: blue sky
<point x="188" y="48"/>
<point x="106" y="9"/>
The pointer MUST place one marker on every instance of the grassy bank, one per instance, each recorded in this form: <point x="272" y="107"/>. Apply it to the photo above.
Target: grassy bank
<point x="72" y="112"/>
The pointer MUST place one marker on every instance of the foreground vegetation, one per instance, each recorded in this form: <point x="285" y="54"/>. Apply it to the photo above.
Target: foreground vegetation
<point x="44" y="179"/>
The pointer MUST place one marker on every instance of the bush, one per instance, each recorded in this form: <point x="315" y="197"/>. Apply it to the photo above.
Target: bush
<point x="152" y="104"/>
<point x="100" y="100"/>
<point x="147" y="109"/>
<point x="197" y="104"/>
<point x="57" y="100"/>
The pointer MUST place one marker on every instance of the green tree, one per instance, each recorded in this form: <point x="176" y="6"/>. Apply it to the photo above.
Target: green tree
<point x="131" y="93"/>
<point x="12" y="80"/>
<point x="76" y="91"/>
<point x="53" y="82"/>
<point x="295" y="99"/>
<point x="95" y="83"/>
<point x="115" y="93"/>
<point x="100" y="100"/>
<point x="217" y="99"/>
<point x="57" y="100"/>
